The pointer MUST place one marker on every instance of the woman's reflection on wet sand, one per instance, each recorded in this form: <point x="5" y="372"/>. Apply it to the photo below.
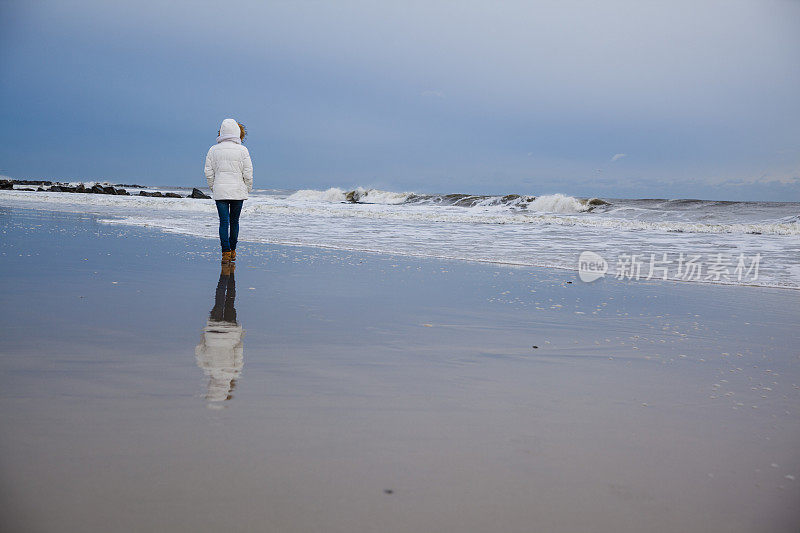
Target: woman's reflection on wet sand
<point x="220" y="353"/>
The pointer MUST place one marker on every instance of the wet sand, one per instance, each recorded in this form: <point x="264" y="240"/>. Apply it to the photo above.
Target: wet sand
<point x="365" y="392"/>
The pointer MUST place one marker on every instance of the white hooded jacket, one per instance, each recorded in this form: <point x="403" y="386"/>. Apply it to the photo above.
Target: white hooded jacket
<point x="229" y="171"/>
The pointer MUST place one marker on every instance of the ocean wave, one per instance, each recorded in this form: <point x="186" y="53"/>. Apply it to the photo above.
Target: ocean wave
<point x="358" y="195"/>
<point x="548" y="230"/>
<point x="552" y="203"/>
<point x="552" y="210"/>
<point x="523" y="218"/>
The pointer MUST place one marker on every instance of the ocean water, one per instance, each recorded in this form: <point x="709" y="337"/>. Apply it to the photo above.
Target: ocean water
<point x="698" y="241"/>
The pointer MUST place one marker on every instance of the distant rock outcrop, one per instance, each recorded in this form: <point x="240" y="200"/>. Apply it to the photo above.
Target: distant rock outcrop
<point x="6" y="185"/>
<point x="197" y="193"/>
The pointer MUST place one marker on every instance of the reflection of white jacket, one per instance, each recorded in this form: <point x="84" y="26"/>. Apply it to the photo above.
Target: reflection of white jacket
<point x="220" y="355"/>
<point x="229" y="170"/>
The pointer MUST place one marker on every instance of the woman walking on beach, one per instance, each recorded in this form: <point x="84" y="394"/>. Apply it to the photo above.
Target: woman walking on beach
<point x="229" y="173"/>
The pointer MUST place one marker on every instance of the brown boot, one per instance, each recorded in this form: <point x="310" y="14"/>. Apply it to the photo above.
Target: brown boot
<point x="233" y="255"/>
<point x="226" y="258"/>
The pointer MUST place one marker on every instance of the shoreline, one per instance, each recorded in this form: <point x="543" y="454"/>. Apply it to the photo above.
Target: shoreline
<point x="112" y="219"/>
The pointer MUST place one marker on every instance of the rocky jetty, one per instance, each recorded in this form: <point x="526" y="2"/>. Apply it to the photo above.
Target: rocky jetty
<point x="81" y="188"/>
<point x="97" y="188"/>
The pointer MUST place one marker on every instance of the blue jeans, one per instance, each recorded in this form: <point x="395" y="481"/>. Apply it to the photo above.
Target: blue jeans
<point x="229" y="211"/>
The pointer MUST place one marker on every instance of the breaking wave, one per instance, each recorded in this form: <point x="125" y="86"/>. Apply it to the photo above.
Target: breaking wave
<point x="544" y="230"/>
<point x="356" y="196"/>
<point x="552" y="203"/>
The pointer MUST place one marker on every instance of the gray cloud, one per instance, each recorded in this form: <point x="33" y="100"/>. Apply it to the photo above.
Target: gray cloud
<point x="515" y="95"/>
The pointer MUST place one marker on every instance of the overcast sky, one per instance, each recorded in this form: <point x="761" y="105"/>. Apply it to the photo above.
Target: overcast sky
<point x="635" y="99"/>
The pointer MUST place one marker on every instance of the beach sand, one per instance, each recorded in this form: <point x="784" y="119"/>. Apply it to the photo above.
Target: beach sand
<point x="379" y="393"/>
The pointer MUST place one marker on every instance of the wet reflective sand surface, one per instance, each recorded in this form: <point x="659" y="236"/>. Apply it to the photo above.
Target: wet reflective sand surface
<point x="144" y="389"/>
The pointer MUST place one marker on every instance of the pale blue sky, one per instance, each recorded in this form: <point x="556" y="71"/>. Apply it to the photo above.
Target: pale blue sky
<point x="636" y="99"/>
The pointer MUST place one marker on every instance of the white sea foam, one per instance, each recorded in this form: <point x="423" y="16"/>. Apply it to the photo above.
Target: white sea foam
<point x="557" y="203"/>
<point x="358" y="195"/>
<point x="546" y="230"/>
<point x="334" y="194"/>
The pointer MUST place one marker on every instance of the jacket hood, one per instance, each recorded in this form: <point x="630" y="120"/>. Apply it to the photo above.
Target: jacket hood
<point x="229" y="131"/>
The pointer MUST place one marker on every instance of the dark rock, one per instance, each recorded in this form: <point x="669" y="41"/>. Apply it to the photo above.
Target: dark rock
<point x="6" y="185"/>
<point x="55" y="188"/>
<point x="597" y="201"/>
<point x="535" y="347"/>
<point x="33" y="182"/>
<point x="40" y="189"/>
<point x="67" y="188"/>
<point x="109" y="190"/>
<point x="121" y="192"/>
<point x="197" y="193"/>
<point x="172" y="195"/>
<point x="80" y="188"/>
<point x="26" y="189"/>
<point x="97" y="189"/>
<point x="151" y="194"/>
